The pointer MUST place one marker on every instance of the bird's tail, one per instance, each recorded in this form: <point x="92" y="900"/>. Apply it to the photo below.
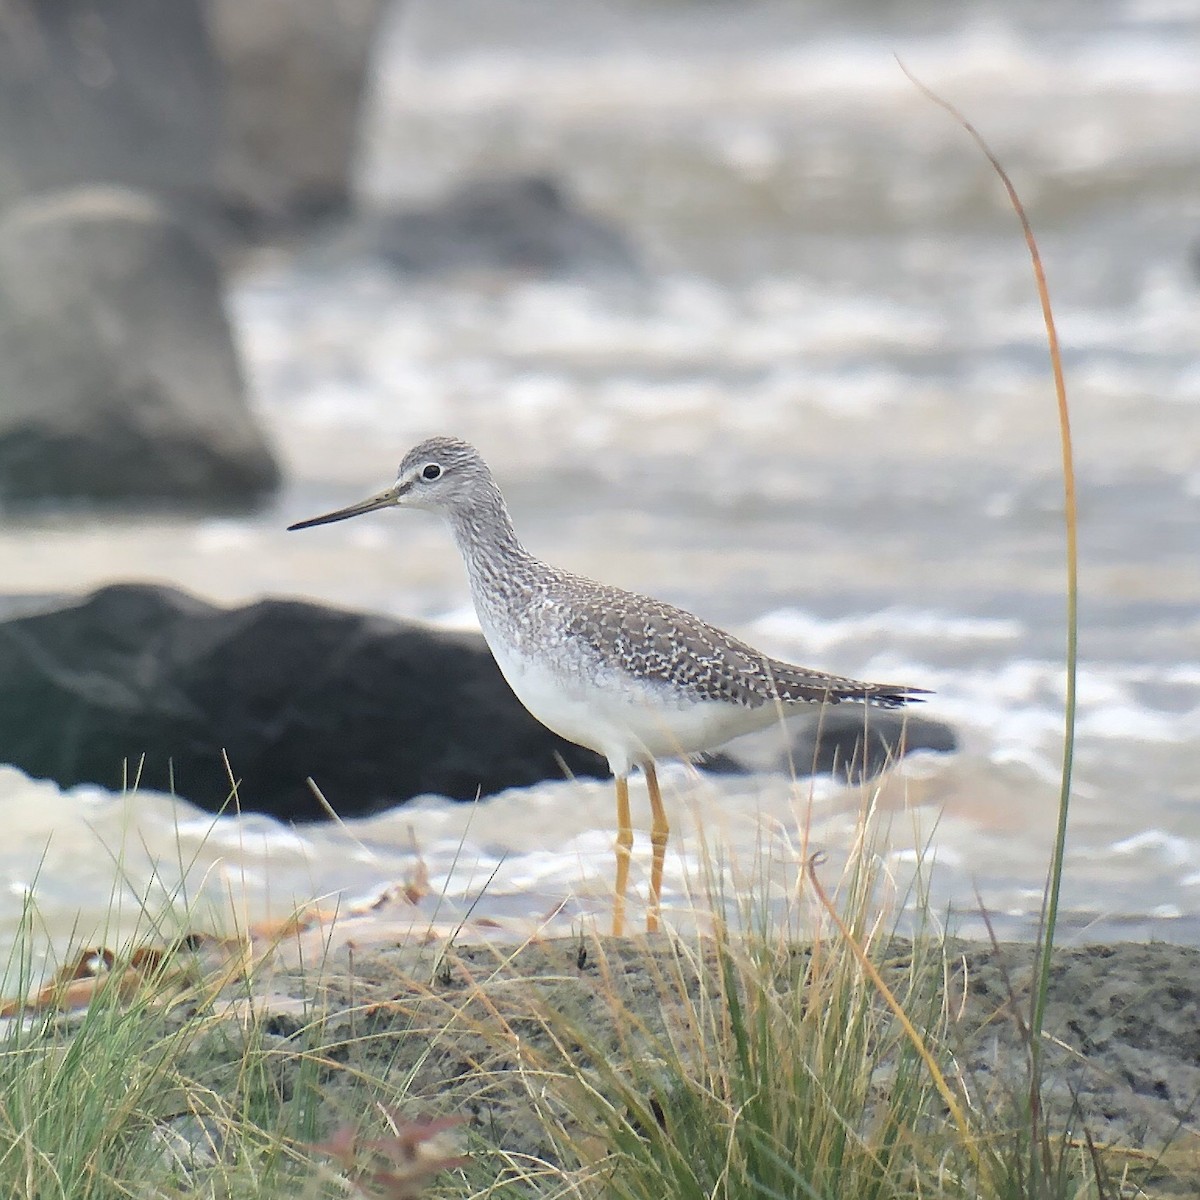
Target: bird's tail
<point x="795" y="685"/>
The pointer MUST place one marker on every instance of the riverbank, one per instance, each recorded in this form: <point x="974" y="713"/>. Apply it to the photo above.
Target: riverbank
<point x="295" y="1060"/>
<point x="1123" y="1022"/>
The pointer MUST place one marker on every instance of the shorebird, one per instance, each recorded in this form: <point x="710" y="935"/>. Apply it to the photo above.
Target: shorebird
<point x="627" y="676"/>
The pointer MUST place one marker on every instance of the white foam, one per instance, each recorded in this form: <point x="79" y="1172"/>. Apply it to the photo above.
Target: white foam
<point x="1020" y="704"/>
<point x="927" y="857"/>
<point x="463" y="619"/>
<point x="1164" y="847"/>
<point x="1166" y="912"/>
<point x="983" y="56"/>
<point x="214" y="537"/>
<point x="253" y="834"/>
<point x="822" y="634"/>
<point x="1138" y="723"/>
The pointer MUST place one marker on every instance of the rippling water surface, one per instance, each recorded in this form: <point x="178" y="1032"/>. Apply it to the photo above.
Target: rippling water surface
<point x="822" y="416"/>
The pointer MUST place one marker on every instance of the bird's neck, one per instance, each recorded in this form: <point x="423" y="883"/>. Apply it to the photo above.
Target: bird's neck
<point x="488" y="543"/>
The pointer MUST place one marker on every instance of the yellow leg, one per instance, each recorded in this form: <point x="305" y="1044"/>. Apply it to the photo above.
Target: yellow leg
<point x="624" y="849"/>
<point x="659" y="832"/>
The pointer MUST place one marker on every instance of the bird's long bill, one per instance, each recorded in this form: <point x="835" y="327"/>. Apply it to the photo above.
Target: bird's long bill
<point x="384" y="499"/>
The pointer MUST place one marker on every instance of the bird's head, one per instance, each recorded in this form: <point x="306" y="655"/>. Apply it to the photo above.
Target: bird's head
<point x="442" y="474"/>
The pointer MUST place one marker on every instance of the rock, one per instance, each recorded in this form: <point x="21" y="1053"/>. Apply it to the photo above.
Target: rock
<point x="108" y="91"/>
<point x="519" y="223"/>
<point x="246" y="108"/>
<point x="295" y="73"/>
<point x="119" y="379"/>
<point x="830" y="742"/>
<point x="376" y="711"/>
<point x="833" y="742"/>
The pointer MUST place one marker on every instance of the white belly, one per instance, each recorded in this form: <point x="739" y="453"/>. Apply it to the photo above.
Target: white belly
<point x="627" y="721"/>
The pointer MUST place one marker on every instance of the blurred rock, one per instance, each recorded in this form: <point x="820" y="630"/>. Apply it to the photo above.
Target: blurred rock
<point x="376" y="711"/>
<point x="295" y="73"/>
<point x="242" y="111"/>
<point x="108" y="91"/>
<point x="119" y="380"/>
<point x="846" y="740"/>
<point x="856" y="743"/>
<point x="518" y="223"/>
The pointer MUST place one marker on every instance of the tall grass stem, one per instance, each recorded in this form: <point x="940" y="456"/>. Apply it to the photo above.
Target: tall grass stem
<point x="1071" y="518"/>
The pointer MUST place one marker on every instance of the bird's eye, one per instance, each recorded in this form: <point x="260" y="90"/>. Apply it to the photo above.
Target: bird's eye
<point x="431" y="471"/>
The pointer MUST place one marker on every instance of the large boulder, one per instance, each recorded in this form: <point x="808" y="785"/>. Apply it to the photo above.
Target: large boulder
<point x="244" y="108"/>
<point x="108" y="91"/>
<point x="522" y="223"/>
<point x="146" y="682"/>
<point x="857" y="743"/>
<point x="848" y="741"/>
<point x="295" y="73"/>
<point x="119" y="379"/>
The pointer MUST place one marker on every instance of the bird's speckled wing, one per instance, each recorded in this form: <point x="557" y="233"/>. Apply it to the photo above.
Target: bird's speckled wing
<point x="655" y="640"/>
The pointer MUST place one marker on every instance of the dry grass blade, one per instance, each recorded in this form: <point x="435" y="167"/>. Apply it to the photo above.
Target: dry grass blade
<point x="1071" y="515"/>
<point x="918" y="1042"/>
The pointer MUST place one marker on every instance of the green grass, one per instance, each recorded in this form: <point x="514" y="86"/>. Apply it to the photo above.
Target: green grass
<point x="777" y="1070"/>
<point x="762" y="1068"/>
<point x="175" y="1090"/>
<point x="108" y="1102"/>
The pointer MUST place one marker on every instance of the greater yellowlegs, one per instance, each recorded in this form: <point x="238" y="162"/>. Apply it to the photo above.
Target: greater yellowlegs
<point x="630" y="677"/>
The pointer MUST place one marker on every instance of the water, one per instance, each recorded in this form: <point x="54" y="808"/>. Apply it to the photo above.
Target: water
<point x="822" y="418"/>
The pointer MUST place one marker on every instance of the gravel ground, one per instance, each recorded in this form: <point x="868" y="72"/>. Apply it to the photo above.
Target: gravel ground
<point x="1123" y="1022"/>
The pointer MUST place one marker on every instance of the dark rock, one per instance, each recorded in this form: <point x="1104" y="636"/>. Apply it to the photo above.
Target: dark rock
<point x="521" y="223"/>
<point x="108" y="91"/>
<point x="830" y="741"/>
<point x="119" y="379"/>
<point x="295" y="74"/>
<point x="856" y="743"/>
<point x="374" y="710"/>
<point x="720" y="762"/>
